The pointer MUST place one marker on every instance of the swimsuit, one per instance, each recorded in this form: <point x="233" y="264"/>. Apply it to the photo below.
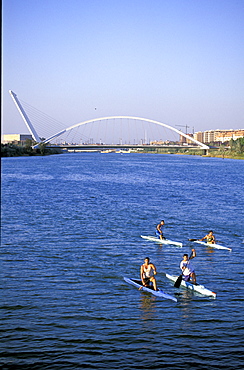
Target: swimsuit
<point x="148" y="272"/>
<point x="158" y="233"/>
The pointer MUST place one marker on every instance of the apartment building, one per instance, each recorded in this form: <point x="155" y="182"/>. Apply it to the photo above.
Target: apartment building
<point x="222" y="136"/>
<point x="227" y="135"/>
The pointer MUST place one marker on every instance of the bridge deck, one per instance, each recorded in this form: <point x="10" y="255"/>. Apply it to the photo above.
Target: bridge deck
<point x="100" y="147"/>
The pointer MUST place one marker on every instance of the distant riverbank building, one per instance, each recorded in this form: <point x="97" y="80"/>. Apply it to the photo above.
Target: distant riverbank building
<point x="220" y="136"/>
<point x="15" y="138"/>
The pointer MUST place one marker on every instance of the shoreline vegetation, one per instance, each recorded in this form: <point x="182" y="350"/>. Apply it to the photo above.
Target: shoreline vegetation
<point x="16" y="150"/>
<point x="233" y="150"/>
<point x="212" y="152"/>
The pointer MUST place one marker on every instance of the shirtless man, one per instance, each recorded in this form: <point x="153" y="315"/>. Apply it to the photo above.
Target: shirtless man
<point x="159" y="231"/>
<point x="148" y="270"/>
<point x="187" y="269"/>
<point x="210" y="238"/>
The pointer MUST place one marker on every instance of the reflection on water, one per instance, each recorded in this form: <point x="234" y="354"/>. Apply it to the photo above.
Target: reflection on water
<point x="148" y="317"/>
<point x="147" y="307"/>
<point x="185" y="304"/>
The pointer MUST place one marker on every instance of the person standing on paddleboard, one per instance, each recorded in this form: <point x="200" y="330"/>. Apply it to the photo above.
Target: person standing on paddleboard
<point x="159" y="231"/>
<point x="148" y="270"/>
<point x="187" y="269"/>
<point x="210" y="238"/>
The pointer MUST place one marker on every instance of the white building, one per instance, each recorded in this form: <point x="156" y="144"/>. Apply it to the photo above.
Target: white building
<point x="227" y="135"/>
<point x="211" y="136"/>
<point x="15" y="138"/>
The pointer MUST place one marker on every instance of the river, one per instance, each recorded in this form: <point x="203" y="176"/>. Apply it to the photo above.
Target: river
<point x="71" y="227"/>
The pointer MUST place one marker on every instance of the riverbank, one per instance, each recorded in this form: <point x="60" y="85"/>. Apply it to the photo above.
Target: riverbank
<point x="229" y="155"/>
<point x="234" y="149"/>
<point x="218" y="153"/>
<point x="11" y="150"/>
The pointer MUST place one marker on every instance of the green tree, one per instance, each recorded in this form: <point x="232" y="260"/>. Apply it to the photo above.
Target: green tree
<point x="222" y="150"/>
<point x="42" y="148"/>
<point x="240" y="145"/>
<point x="28" y="146"/>
<point x="232" y="144"/>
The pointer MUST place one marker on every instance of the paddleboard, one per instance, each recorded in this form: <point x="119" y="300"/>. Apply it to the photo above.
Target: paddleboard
<point x="162" y="241"/>
<point x="159" y="293"/>
<point x="217" y="246"/>
<point x="197" y="288"/>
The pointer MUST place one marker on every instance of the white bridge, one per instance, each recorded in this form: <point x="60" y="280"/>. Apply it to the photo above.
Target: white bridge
<point x="112" y="119"/>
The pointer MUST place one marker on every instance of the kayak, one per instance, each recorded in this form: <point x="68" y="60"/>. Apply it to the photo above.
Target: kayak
<point x="197" y="288"/>
<point x="159" y="293"/>
<point x="162" y="241"/>
<point x="217" y="246"/>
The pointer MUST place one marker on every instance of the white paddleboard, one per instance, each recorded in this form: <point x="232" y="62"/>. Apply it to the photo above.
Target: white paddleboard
<point x="162" y="241"/>
<point x="217" y="246"/>
<point x="197" y="288"/>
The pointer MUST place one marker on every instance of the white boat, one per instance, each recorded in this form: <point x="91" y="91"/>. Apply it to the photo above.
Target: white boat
<point x="159" y="293"/>
<point x="197" y="288"/>
<point x="162" y="241"/>
<point x="217" y="246"/>
<point x="123" y="151"/>
<point x="107" y="151"/>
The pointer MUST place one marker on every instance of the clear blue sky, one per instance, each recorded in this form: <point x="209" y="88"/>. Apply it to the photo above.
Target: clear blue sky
<point x="176" y="61"/>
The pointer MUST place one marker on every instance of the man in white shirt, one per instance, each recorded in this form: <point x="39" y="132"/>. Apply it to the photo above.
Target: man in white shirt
<point x="187" y="269"/>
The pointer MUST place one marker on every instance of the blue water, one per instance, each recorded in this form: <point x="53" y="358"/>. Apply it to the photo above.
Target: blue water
<point x="71" y="227"/>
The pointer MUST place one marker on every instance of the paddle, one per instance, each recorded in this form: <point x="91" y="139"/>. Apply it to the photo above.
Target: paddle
<point x="179" y="279"/>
